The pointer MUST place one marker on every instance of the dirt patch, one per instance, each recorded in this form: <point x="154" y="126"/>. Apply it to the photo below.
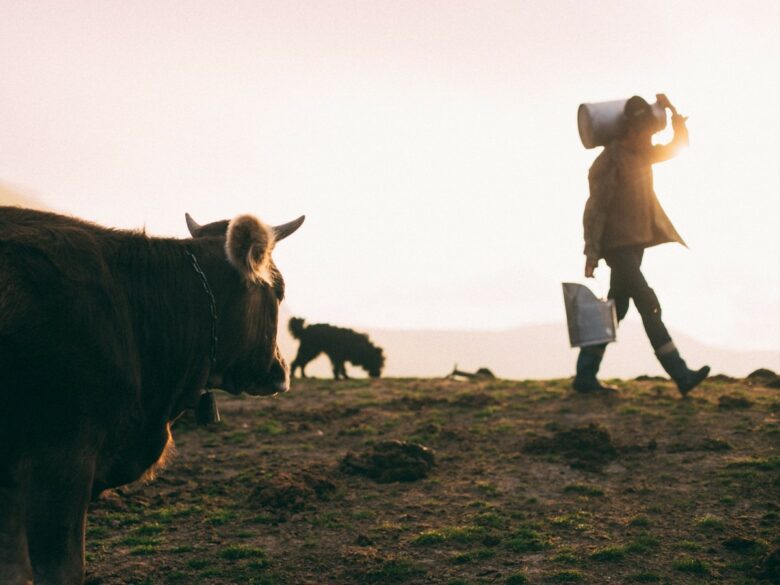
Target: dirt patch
<point x="714" y="445"/>
<point x="287" y="493"/>
<point x="418" y="402"/>
<point x="734" y="402"/>
<point x="474" y="400"/>
<point x="589" y="448"/>
<point x="391" y="461"/>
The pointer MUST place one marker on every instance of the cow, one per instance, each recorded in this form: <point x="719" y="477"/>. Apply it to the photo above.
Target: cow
<point x="106" y="337"/>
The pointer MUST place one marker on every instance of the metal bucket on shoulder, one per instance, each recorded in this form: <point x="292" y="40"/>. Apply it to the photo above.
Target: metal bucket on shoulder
<point x="601" y="122"/>
<point x="591" y="321"/>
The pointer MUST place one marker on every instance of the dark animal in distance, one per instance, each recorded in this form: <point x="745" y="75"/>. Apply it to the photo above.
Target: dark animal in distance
<point x="106" y="337"/>
<point x="341" y="345"/>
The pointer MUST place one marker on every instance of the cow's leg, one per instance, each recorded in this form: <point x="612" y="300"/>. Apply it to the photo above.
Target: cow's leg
<point x="15" y="566"/>
<point x="344" y="370"/>
<point x="59" y="492"/>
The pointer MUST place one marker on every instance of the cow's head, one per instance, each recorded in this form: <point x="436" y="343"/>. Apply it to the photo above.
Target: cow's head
<point x="248" y="289"/>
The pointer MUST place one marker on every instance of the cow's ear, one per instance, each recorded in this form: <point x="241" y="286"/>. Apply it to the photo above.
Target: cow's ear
<point x="192" y="225"/>
<point x="249" y="246"/>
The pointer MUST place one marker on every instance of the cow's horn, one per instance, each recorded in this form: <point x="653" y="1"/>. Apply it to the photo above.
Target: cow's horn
<point x="192" y="225"/>
<point x="284" y="230"/>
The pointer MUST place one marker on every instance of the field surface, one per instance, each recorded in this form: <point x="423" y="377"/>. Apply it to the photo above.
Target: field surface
<point x="530" y="484"/>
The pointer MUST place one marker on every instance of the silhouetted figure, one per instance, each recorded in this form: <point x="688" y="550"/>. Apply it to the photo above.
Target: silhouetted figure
<point x="623" y="217"/>
<point x="339" y="344"/>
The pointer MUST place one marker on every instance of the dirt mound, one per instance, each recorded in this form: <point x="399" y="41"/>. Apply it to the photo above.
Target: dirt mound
<point x="762" y="373"/>
<point x="722" y="378"/>
<point x="589" y="448"/>
<point x="646" y="378"/>
<point x="769" y="568"/>
<point x="764" y="377"/>
<point x="287" y="493"/>
<point x="391" y="461"/>
<point x="734" y="402"/>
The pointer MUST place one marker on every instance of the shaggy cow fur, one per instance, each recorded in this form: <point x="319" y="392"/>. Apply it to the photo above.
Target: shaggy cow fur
<point x="339" y="344"/>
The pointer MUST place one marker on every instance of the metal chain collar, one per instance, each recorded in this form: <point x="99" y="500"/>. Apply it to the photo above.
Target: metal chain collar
<point x="213" y="305"/>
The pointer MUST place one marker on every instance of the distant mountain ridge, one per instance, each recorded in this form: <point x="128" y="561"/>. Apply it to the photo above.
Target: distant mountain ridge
<point x="533" y="352"/>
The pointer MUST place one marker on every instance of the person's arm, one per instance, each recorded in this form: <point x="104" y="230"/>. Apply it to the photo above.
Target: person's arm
<point x="601" y="180"/>
<point x="662" y="152"/>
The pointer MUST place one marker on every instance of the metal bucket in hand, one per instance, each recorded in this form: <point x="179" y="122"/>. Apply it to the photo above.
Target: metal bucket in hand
<point x="600" y="123"/>
<point x="592" y="321"/>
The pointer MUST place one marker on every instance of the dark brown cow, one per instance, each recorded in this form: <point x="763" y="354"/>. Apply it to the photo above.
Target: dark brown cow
<point x="106" y="336"/>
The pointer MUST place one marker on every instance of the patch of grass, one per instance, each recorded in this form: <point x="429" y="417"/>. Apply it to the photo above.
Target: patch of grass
<point x="487" y="488"/>
<point x="330" y="519"/>
<point x="394" y="571"/>
<point x="198" y="563"/>
<point x="516" y="579"/>
<point x="644" y="577"/>
<point x="140" y="540"/>
<point x="459" y="534"/>
<point x="527" y="539"/>
<point x="219" y="517"/>
<point x="361" y="430"/>
<point x="363" y="514"/>
<point x="583" y="490"/>
<point x="567" y="557"/>
<point x="577" y="520"/>
<point x="569" y="576"/>
<point x="270" y="427"/>
<point x="144" y="550"/>
<point x="236" y="437"/>
<point x="756" y="463"/>
<point x="264" y="519"/>
<point x="97" y="532"/>
<point x="643" y="543"/>
<point x="691" y="565"/>
<point x="490" y="519"/>
<point x="709" y="523"/>
<point x="241" y="551"/>
<point x="609" y="554"/>
<point x="688" y="545"/>
<point x="119" y="518"/>
<point x="640" y="520"/>
<point x="473" y="556"/>
<point x="148" y="529"/>
<point x="168" y="514"/>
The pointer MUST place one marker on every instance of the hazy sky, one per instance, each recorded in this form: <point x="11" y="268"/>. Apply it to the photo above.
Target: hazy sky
<point x="432" y="144"/>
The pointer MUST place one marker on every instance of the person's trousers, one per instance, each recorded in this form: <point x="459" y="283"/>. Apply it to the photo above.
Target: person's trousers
<point x="627" y="282"/>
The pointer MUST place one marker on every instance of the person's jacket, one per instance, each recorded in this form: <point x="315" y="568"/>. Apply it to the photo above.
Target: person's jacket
<point x="622" y="209"/>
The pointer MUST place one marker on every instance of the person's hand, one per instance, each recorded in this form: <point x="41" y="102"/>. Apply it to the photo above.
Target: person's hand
<point x="590" y="267"/>
<point x="664" y="101"/>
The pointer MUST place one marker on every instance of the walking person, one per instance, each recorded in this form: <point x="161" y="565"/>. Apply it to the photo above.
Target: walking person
<point x="622" y="218"/>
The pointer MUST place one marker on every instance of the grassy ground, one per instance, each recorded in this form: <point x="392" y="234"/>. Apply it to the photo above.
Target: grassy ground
<point x="686" y="490"/>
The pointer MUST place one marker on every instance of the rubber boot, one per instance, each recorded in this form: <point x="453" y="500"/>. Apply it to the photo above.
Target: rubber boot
<point x="685" y="378"/>
<point x="588" y="363"/>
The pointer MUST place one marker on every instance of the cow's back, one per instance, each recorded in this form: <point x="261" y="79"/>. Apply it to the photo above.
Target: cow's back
<point x="56" y="322"/>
